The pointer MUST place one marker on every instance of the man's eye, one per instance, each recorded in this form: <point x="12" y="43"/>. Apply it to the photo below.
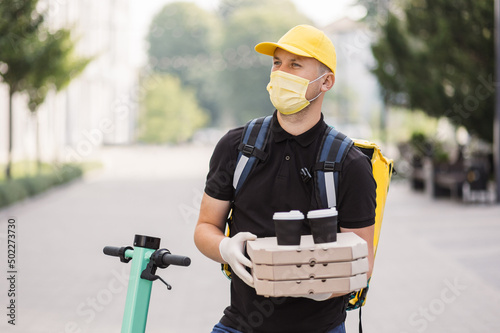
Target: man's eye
<point x="295" y="65"/>
<point x="277" y="63"/>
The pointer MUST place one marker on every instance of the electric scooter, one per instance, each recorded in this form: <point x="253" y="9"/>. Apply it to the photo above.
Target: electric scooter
<point x="147" y="257"/>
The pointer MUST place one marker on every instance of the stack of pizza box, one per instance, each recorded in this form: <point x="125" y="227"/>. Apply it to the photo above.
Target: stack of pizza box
<point x="308" y="268"/>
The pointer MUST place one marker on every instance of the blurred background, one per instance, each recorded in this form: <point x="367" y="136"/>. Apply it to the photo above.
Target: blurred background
<point x="417" y="77"/>
<point x="123" y="101"/>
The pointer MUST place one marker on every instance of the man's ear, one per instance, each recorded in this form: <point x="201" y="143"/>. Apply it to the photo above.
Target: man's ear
<point x="329" y="82"/>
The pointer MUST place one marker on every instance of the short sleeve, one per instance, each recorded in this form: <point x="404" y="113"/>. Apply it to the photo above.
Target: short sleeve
<point x="357" y="200"/>
<point x="219" y="183"/>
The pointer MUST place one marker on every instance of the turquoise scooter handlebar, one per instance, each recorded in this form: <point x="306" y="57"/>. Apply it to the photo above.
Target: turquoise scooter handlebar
<point x="166" y="257"/>
<point x="146" y="257"/>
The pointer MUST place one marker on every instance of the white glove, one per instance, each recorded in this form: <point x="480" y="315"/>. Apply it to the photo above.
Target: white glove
<point x="232" y="251"/>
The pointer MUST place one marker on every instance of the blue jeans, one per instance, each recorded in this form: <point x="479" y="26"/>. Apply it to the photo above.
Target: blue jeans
<point x="219" y="328"/>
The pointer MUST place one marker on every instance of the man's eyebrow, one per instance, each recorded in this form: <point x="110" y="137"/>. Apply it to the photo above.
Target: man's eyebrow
<point x="293" y="59"/>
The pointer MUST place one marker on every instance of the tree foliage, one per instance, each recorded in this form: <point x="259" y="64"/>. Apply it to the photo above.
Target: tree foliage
<point x="213" y="53"/>
<point x="170" y="113"/>
<point x="246" y="75"/>
<point x="33" y="58"/>
<point x="182" y="38"/>
<point x="181" y="30"/>
<point x="20" y="24"/>
<point x="439" y="57"/>
<point x="55" y="64"/>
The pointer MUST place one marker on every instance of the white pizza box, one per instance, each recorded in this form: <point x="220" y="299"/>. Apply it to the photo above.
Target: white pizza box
<point x="307" y="287"/>
<point x="348" y="247"/>
<point x="313" y="271"/>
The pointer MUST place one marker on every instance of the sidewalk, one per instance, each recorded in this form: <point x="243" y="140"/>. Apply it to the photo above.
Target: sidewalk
<point x="437" y="266"/>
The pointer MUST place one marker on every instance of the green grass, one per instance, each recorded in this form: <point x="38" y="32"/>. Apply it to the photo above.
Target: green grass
<point x="24" y="169"/>
<point x="27" y="181"/>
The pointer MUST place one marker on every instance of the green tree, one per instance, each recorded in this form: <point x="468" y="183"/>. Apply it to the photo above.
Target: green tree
<point x="54" y="66"/>
<point x="32" y="58"/>
<point x="19" y="26"/>
<point x="182" y="38"/>
<point x="244" y="80"/>
<point x="169" y="112"/>
<point x="438" y="56"/>
<point x="179" y="34"/>
<point x="214" y="54"/>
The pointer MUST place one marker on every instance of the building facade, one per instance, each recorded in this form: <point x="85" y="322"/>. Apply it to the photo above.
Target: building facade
<point x="98" y="107"/>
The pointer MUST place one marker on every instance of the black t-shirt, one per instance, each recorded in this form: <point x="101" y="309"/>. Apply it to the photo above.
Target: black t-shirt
<point x="276" y="185"/>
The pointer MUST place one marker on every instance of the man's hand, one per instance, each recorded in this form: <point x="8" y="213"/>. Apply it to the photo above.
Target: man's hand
<point x="232" y="251"/>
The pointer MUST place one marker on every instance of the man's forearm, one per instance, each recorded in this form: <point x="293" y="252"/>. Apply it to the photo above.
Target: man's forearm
<point x="207" y="238"/>
<point x="367" y="234"/>
<point x="209" y="231"/>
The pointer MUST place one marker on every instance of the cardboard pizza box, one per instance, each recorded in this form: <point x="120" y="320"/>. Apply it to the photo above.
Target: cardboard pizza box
<point x="348" y="247"/>
<point x="314" y="271"/>
<point x="312" y="286"/>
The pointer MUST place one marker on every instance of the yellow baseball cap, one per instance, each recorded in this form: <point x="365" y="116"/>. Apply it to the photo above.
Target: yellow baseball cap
<point x="306" y="41"/>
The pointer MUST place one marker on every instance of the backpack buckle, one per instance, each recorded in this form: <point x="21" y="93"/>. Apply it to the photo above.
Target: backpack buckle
<point x="329" y="166"/>
<point x="305" y="175"/>
<point x="247" y="150"/>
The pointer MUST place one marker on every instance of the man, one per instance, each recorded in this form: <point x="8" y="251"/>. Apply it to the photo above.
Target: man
<point x="304" y="64"/>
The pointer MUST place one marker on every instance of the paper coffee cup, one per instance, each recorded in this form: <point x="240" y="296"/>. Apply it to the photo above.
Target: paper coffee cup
<point x="323" y="224"/>
<point x="288" y="226"/>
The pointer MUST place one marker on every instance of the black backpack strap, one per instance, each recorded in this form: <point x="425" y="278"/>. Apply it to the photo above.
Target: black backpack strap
<point x="251" y="149"/>
<point x="360" y="323"/>
<point x="334" y="148"/>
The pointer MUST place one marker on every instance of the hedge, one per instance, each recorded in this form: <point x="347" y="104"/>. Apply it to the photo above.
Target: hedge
<point x="18" y="189"/>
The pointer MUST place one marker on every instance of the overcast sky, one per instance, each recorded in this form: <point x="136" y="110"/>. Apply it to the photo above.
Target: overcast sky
<point x="322" y="12"/>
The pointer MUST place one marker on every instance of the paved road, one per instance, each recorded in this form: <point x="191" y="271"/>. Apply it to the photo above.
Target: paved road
<point x="437" y="268"/>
